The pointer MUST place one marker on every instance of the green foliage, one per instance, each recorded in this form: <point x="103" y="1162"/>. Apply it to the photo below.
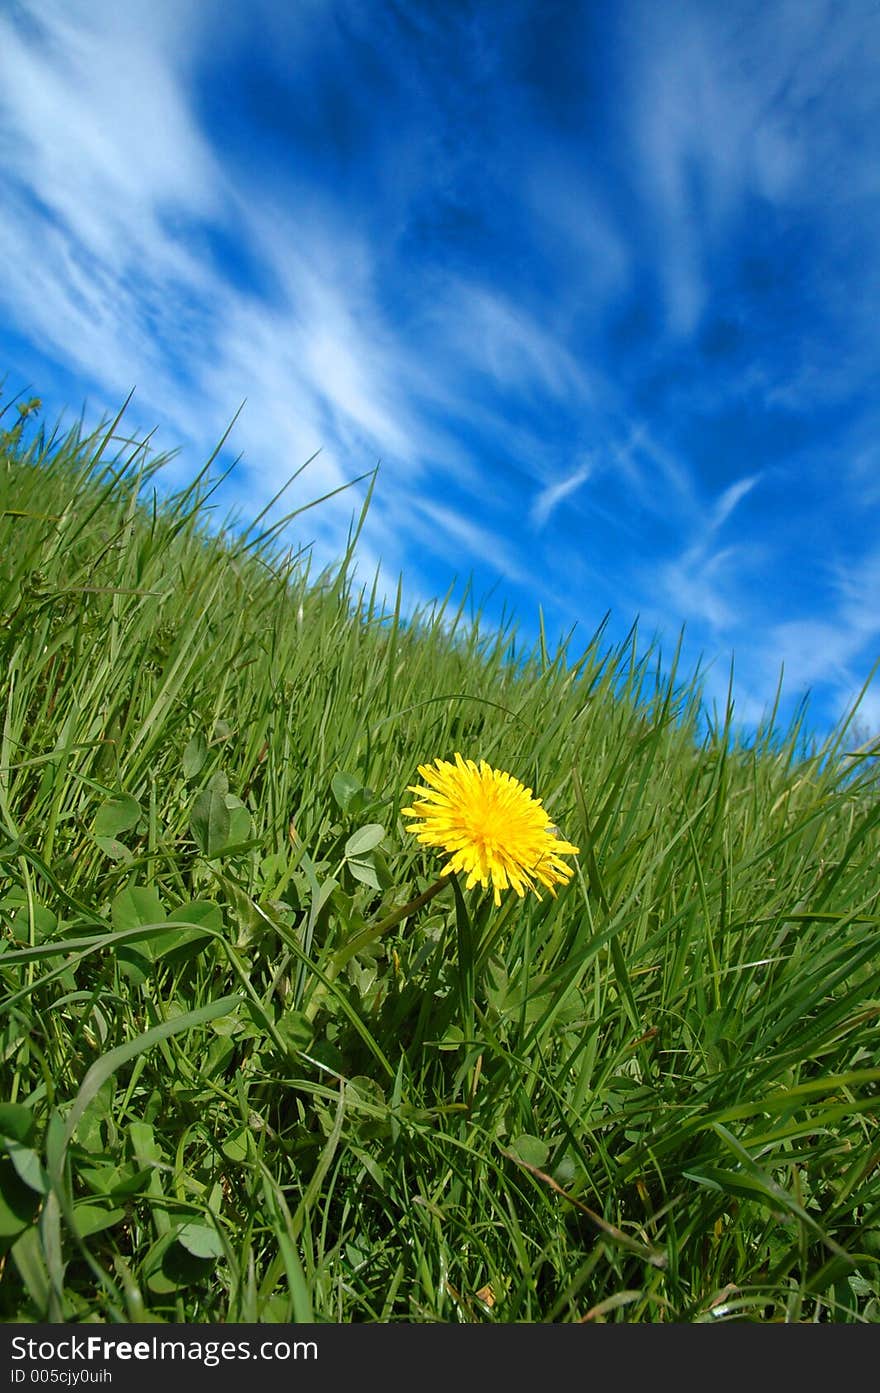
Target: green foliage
<point x="258" y="1066"/>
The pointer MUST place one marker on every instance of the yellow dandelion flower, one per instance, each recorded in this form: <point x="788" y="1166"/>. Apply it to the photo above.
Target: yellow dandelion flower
<point x="492" y="827"/>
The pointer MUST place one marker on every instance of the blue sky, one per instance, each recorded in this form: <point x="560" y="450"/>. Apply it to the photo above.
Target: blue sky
<point x="599" y="285"/>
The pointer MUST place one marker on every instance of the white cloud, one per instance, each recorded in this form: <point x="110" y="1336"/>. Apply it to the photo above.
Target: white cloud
<point x="89" y="120"/>
<point x="111" y="178"/>
<point x="729" y="499"/>
<point x="832" y="654"/>
<point x="452" y="535"/>
<point x="553" y="494"/>
<point x="726" y="103"/>
<point x="117" y="194"/>
<point x="502" y="340"/>
<point x="661" y="479"/>
<point x="703" y="583"/>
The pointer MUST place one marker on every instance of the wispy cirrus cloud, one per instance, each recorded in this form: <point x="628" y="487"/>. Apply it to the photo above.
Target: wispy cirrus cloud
<point x="552" y="495"/>
<point x="764" y="112"/>
<point x="128" y="290"/>
<point x="702" y="582"/>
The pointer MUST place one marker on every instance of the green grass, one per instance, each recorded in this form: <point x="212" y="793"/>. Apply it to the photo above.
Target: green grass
<point x="653" y="1098"/>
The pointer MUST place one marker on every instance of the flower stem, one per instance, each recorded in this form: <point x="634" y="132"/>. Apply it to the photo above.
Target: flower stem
<point x="374" y="931"/>
<point x="369" y="935"/>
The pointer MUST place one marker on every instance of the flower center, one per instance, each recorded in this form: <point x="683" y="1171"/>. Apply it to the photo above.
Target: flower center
<point x="487" y="824"/>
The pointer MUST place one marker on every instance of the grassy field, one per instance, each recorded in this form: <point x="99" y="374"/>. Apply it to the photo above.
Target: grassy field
<point x="238" y="1085"/>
